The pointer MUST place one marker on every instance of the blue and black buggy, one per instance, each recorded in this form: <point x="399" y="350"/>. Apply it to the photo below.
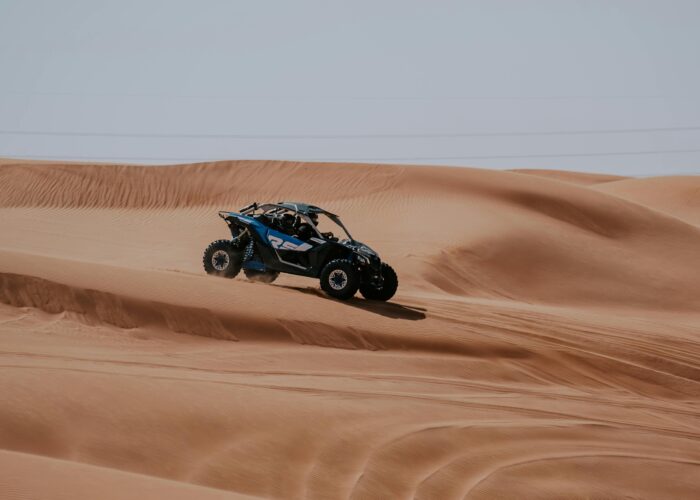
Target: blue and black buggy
<point x="284" y="237"/>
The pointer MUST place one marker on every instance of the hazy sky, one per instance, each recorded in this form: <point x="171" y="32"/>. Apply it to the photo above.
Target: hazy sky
<point x="609" y="85"/>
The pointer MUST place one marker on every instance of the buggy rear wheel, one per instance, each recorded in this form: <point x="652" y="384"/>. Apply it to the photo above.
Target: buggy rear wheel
<point x="222" y="259"/>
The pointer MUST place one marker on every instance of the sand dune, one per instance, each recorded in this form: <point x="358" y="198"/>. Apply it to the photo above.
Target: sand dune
<point x="543" y="343"/>
<point x="67" y="480"/>
<point x="584" y="178"/>
<point x="460" y="231"/>
<point x="678" y="196"/>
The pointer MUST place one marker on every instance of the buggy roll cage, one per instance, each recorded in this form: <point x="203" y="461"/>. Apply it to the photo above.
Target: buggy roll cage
<point x="301" y="209"/>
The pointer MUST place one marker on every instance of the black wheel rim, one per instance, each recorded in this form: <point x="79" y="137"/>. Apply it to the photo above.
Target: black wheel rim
<point x="338" y="279"/>
<point x="220" y="260"/>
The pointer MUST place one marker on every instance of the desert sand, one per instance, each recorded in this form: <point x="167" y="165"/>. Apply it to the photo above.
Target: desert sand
<point x="544" y="341"/>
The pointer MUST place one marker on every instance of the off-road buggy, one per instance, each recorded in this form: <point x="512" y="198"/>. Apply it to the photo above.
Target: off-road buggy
<point x="284" y="237"/>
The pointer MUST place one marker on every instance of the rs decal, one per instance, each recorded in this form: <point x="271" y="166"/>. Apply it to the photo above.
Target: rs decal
<point x="280" y="244"/>
<point x="275" y="241"/>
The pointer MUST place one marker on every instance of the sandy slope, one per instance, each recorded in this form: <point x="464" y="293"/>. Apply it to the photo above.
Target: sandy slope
<point x="583" y="178"/>
<point x="678" y="196"/>
<point x="543" y="343"/>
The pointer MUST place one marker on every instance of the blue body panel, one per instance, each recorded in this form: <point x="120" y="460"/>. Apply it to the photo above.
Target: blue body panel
<point x="273" y="239"/>
<point x="284" y="237"/>
<point x="265" y="231"/>
<point x="249" y="221"/>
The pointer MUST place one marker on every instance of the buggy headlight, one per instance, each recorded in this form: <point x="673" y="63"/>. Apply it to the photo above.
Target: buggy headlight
<point x="365" y="250"/>
<point x="362" y="259"/>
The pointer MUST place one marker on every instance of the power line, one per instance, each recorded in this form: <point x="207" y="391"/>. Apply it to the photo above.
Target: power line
<point x="345" y="136"/>
<point x="558" y="155"/>
<point x="346" y="98"/>
<point x="368" y="160"/>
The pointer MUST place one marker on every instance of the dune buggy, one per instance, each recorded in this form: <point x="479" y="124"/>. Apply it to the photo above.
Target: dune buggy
<point x="284" y="237"/>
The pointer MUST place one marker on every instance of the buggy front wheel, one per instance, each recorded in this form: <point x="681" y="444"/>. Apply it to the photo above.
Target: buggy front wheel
<point x="340" y="279"/>
<point x="390" y="283"/>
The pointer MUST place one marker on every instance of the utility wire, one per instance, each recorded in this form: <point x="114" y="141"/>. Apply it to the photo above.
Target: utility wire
<point x="344" y="98"/>
<point x="344" y="136"/>
<point x="367" y="160"/>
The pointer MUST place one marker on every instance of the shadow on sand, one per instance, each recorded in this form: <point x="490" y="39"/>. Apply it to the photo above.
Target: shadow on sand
<point x="388" y="309"/>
